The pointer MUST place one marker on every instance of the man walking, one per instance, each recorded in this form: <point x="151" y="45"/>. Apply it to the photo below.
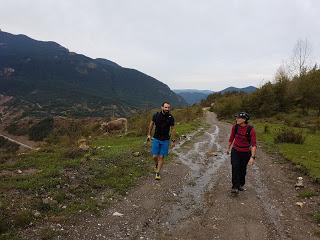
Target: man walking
<point x="243" y="143"/>
<point x="164" y="125"/>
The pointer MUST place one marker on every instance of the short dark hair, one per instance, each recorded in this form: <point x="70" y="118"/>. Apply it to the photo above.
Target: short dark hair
<point x="162" y="105"/>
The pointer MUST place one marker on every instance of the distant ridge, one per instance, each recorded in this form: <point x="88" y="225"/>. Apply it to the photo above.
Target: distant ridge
<point x="248" y="89"/>
<point x="192" y="96"/>
<point x="46" y="78"/>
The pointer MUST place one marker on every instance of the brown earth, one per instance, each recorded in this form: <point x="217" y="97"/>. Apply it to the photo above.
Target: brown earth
<point x="193" y="200"/>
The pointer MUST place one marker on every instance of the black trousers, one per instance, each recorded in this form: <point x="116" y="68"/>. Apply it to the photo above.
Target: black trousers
<point x="239" y="162"/>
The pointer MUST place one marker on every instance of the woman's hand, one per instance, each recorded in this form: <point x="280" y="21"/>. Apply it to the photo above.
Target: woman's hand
<point x="251" y="161"/>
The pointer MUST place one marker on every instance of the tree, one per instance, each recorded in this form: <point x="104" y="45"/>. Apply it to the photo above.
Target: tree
<point x="300" y="61"/>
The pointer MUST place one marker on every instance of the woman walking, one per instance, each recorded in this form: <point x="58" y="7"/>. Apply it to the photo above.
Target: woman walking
<point x="243" y="145"/>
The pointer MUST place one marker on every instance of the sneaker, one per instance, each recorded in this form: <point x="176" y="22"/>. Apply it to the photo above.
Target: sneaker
<point x="235" y="190"/>
<point x="157" y="177"/>
<point x="241" y="188"/>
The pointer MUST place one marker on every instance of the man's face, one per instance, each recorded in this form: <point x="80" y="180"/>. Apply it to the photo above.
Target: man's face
<point x="165" y="108"/>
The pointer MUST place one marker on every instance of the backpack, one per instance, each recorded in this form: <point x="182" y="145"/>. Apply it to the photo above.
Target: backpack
<point x="247" y="133"/>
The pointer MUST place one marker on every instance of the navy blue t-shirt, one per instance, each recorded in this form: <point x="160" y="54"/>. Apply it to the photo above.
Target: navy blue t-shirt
<point x="163" y="123"/>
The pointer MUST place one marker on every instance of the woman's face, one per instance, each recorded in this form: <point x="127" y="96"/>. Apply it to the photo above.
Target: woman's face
<point x="240" y="120"/>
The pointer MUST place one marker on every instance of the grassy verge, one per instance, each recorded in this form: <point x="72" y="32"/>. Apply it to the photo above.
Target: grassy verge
<point x="306" y="156"/>
<point x="58" y="182"/>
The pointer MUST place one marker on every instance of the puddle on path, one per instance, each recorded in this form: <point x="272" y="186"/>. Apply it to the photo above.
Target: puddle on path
<point x="203" y="158"/>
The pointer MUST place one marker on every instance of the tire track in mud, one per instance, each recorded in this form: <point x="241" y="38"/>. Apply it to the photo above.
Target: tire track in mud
<point x="204" y="160"/>
<point x="192" y="200"/>
<point x="271" y="211"/>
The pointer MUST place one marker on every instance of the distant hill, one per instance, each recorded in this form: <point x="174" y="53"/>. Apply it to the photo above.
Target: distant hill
<point x="192" y="96"/>
<point x="47" y="78"/>
<point x="249" y="89"/>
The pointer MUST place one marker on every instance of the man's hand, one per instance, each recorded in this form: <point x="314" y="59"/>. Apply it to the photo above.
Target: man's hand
<point x="173" y="144"/>
<point x="148" y="139"/>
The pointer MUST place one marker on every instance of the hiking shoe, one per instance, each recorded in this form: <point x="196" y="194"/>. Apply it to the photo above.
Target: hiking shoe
<point x="235" y="190"/>
<point x="157" y="177"/>
<point x="241" y="188"/>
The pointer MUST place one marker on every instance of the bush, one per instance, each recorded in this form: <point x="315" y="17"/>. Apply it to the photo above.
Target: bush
<point x="289" y="135"/>
<point x="4" y="224"/>
<point x="14" y="129"/>
<point x="41" y="130"/>
<point x="8" y="147"/>
<point x="74" y="153"/>
<point x="22" y="218"/>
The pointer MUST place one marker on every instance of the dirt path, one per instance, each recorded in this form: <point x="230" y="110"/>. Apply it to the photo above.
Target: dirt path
<point x="192" y="201"/>
<point x="17" y="142"/>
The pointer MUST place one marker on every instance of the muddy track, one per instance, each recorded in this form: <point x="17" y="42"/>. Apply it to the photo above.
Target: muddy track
<point x="192" y="201"/>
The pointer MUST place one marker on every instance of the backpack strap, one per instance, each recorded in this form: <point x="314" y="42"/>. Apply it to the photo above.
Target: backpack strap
<point x="236" y="129"/>
<point x="248" y="132"/>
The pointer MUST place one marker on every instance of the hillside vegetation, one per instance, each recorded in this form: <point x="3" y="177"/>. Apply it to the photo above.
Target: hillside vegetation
<point x="45" y="78"/>
<point x="62" y="180"/>
<point x="286" y="114"/>
<point x="299" y="95"/>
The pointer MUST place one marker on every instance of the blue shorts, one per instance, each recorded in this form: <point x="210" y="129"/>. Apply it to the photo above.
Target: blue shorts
<point x="160" y="148"/>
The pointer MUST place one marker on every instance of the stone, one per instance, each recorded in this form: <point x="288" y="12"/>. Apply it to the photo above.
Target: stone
<point x="136" y="154"/>
<point x="117" y="214"/>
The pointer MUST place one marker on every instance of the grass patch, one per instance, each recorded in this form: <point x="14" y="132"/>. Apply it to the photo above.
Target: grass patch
<point x="70" y="181"/>
<point x="61" y="180"/>
<point x="306" y="155"/>
<point x="316" y="217"/>
<point x="307" y="193"/>
<point x="48" y="234"/>
<point x="184" y="128"/>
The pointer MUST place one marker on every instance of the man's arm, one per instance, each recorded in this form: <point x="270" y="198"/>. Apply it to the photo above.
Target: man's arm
<point x="173" y="135"/>
<point x="150" y="131"/>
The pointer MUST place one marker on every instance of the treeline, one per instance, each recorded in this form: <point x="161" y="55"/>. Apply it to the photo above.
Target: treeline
<point x="299" y="94"/>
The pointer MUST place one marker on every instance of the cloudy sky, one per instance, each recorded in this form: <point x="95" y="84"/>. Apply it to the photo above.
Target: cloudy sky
<point x="204" y="44"/>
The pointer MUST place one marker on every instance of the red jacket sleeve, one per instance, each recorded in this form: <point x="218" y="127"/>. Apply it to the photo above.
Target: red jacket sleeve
<point x="253" y="138"/>
<point x="232" y="135"/>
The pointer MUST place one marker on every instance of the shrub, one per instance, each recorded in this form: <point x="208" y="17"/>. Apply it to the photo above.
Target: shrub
<point x="7" y="146"/>
<point x="41" y="130"/>
<point x="22" y="218"/>
<point x="289" y="135"/>
<point x="308" y="193"/>
<point x="15" y="129"/>
<point x="316" y="217"/>
<point x="4" y="224"/>
<point x="74" y="153"/>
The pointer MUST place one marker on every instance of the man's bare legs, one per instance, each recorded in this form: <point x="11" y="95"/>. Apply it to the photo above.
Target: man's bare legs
<point x="155" y="159"/>
<point x="158" y="161"/>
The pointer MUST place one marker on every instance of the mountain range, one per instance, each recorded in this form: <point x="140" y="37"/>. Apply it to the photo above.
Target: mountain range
<point x="192" y="96"/>
<point x="46" y="78"/>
